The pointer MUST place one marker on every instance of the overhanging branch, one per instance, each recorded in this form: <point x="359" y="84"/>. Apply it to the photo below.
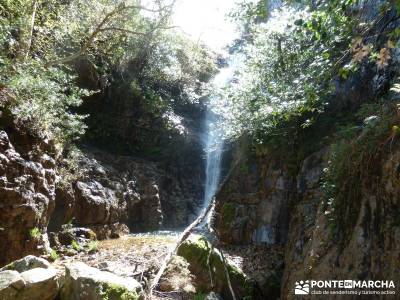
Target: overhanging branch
<point x="100" y="28"/>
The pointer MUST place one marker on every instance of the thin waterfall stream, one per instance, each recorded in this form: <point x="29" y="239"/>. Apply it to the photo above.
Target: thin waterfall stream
<point x="214" y="141"/>
<point x="213" y="149"/>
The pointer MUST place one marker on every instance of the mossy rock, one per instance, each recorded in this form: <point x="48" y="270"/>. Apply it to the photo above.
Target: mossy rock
<point x="116" y="292"/>
<point x="206" y="261"/>
<point x="84" y="282"/>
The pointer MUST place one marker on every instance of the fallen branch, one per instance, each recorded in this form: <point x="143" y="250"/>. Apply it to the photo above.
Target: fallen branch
<point x="228" y="278"/>
<point x="209" y="266"/>
<point x="185" y="234"/>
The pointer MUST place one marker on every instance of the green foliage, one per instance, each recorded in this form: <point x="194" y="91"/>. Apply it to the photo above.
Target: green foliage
<point x="247" y="14"/>
<point x="200" y="296"/>
<point x="69" y="170"/>
<point x="43" y="100"/>
<point x="116" y="292"/>
<point x="178" y="69"/>
<point x="287" y="72"/>
<point x="92" y="246"/>
<point x="76" y="246"/>
<point x="282" y="95"/>
<point x="53" y="255"/>
<point x="44" y="97"/>
<point x="36" y="57"/>
<point x="35" y="233"/>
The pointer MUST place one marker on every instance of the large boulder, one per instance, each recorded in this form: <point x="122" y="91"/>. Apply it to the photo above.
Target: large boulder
<point x="106" y="231"/>
<point x="39" y="284"/>
<point x="95" y="204"/>
<point x="84" y="282"/>
<point x="71" y="240"/>
<point x="34" y="284"/>
<point x="27" y="263"/>
<point x="69" y="234"/>
<point x="209" y="268"/>
<point x="10" y="283"/>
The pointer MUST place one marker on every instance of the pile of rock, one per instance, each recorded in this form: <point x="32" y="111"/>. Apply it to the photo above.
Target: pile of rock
<point x="33" y="278"/>
<point x="71" y="240"/>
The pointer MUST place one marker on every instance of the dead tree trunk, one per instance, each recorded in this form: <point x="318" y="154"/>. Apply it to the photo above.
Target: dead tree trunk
<point x="185" y="234"/>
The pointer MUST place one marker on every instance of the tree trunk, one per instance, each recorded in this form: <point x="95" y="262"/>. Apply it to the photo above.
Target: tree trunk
<point x="25" y="41"/>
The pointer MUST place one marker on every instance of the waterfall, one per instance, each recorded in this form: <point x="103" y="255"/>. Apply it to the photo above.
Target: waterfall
<point x="213" y="149"/>
<point x="213" y="123"/>
<point x="213" y="142"/>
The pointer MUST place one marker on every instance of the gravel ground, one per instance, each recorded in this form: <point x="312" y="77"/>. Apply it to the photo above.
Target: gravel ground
<point x="141" y="255"/>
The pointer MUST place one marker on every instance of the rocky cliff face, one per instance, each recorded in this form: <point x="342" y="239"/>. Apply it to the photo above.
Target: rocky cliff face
<point x="111" y="193"/>
<point x="113" y="190"/>
<point x="27" y="188"/>
<point x="164" y="145"/>
<point x="369" y="252"/>
<point x="252" y="205"/>
<point x="271" y="202"/>
<point x="264" y="205"/>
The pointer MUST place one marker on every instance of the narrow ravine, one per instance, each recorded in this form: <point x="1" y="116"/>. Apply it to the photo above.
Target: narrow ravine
<point x="199" y="150"/>
<point x="141" y="255"/>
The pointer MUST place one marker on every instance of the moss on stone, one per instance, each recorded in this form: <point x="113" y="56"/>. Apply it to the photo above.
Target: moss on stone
<point x="195" y="251"/>
<point x="203" y="258"/>
<point x="117" y="292"/>
<point x="76" y="246"/>
<point x="10" y="266"/>
<point x="92" y="235"/>
<point x="35" y="233"/>
<point x="200" y="296"/>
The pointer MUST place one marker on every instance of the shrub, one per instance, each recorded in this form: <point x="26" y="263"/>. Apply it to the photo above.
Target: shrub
<point x="76" y="246"/>
<point x="35" y="233"/>
<point x="53" y="255"/>
<point x="44" y="98"/>
<point x="92" y="246"/>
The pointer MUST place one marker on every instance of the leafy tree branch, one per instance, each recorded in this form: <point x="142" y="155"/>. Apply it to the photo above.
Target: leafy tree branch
<point x="101" y="28"/>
